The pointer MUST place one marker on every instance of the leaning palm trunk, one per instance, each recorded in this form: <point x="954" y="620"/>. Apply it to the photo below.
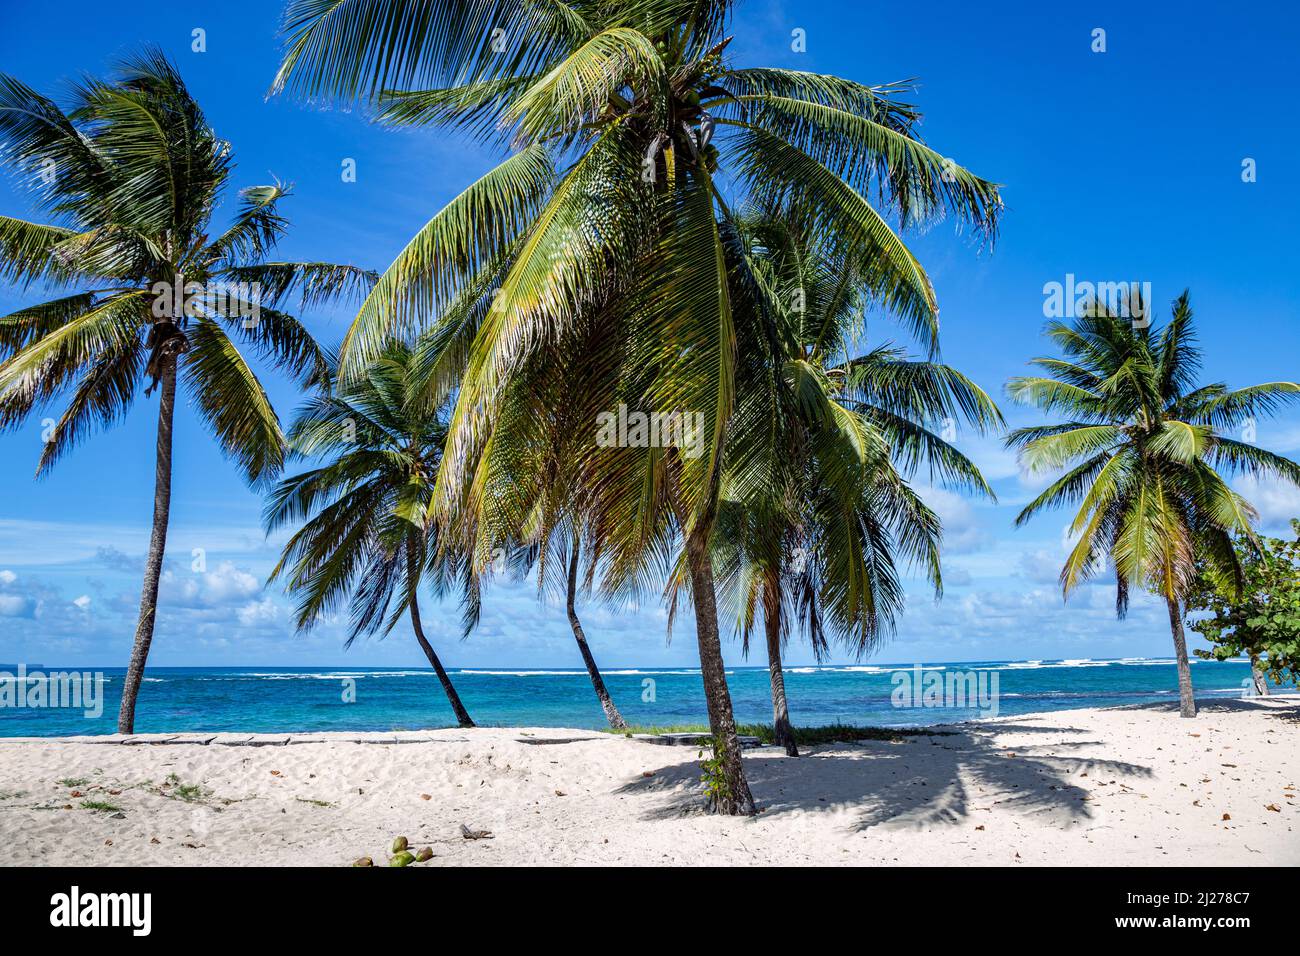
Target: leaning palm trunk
<point x="732" y="795"/>
<point x="162" y="501"/>
<point x="607" y="704"/>
<point x="1186" y="700"/>
<point x="1257" y="676"/>
<point x="462" y="715"/>
<point x="783" y="732"/>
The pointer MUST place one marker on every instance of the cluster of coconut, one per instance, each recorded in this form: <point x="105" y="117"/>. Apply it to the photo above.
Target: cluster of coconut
<point x="402" y="855"/>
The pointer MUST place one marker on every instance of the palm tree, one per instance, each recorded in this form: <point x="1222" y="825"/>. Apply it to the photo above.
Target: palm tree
<point x="615" y="719"/>
<point x="1147" y="453"/>
<point x="364" y="539"/>
<point x="564" y="551"/>
<point x="817" y="505"/>
<point x="553" y="537"/>
<point x="603" y="243"/>
<point x="131" y="174"/>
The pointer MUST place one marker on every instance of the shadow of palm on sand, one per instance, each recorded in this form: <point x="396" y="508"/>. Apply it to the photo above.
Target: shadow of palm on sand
<point x="919" y="783"/>
<point x="1279" y="706"/>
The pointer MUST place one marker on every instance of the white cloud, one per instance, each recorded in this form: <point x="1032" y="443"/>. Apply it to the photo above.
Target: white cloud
<point x="257" y="613"/>
<point x="962" y="531"/>
<point x="222" y="586"/>
<point x="956" y="576"/>
<point x="991" y="457"/>
<point x="16" y="605"/>
<point x="82" y="602"/>
<point x="1042" y="566"/>
<point x="1278" y="501"/>
<point x="26" y="542"/>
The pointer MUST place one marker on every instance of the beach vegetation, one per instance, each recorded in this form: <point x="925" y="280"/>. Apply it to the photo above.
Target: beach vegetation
<point x="100" y="806"/>
<point x="713" y="776"/>
<point x="187" y="792"/>
<point x="1260" y="618"/>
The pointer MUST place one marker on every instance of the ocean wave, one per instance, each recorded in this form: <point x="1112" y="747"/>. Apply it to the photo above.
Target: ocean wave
<point x="1144" y="662"/>
<point x="627" y="672"/>
<point x="859" y="669"/>
<point x="1041" y="665"/>
<point x="1113" y="694"/>
<point x="332" y="675"/>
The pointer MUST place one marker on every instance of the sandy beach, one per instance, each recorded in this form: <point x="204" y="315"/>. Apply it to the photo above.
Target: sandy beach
<point x="1122" y="786"/>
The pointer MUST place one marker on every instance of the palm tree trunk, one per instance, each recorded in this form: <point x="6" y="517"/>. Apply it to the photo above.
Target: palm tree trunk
<point x="733" y="796"/>
<point x="611" y="712"/>
<point x="780" y="712"/>
<point x="462" y="715"/>
<point x="162" y="502"/>
<point x="1257" y="675"/>
<point x="1186" y="700"/>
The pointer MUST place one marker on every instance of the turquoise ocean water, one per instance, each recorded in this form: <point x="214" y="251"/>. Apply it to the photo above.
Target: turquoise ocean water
<point x="265" y="699"/>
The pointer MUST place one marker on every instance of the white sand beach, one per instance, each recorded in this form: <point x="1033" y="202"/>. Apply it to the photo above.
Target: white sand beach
<point x="1117" y="786"/>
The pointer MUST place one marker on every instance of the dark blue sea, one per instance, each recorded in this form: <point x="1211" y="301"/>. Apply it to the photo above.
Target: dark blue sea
<point x="269" y="699"/>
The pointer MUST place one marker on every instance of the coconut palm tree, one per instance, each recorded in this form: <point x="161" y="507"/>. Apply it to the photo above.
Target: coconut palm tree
<point x="552" y="542"/>
<point x="605" y="232"/>
<point x="817" y="506"/>
<point x="1147" y="452"/>
<point x="615" y="719"/>
<point x="558" y="564"/>
<point x="131" y="174"/>
<point x="364" y="540"/>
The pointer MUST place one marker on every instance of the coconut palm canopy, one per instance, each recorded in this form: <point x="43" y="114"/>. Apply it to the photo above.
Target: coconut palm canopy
<point x="380" y="445"/>
<point x="1146" y="452"/>
<point x="609" y="224"/>
<point x="130" y="175"/>
<point x="817" y="511"/>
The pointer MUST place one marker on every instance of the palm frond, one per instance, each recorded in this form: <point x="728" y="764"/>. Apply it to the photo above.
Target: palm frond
<point x="232" y="401"/>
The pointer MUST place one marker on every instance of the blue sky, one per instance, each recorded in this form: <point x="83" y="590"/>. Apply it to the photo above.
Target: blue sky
<point x="1122" y="165"/>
